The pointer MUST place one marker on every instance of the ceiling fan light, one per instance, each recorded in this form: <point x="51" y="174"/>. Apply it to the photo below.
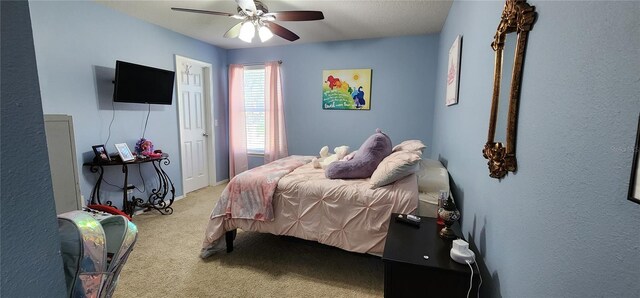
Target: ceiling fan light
<point x="265" y="33"/>
<point x="247" y="32"/>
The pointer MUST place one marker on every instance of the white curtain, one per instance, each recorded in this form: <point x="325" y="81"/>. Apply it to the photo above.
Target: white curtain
<point x="275" y="146"/>
<point x="238" y="159"/>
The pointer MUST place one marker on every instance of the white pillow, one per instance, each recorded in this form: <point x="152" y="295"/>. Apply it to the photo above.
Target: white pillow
<point x="410" y="145"/>
<point x="395" y="167"/>
<point x="433" y="177"/>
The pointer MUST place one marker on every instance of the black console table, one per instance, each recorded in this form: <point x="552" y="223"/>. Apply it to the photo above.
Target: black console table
<point x="156" y="199"/>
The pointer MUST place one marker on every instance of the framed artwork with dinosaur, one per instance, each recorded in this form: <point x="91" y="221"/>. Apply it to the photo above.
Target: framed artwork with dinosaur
<point x="346" y="89"/>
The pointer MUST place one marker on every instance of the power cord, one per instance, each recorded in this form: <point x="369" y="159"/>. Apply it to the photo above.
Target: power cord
<point x="479" y="275"/>
<point x="143" y="183"/>
<point x="143" y="132"/>
<point x="113" y="116"/>
<point x="146" y="121"/>
<point x="107" y="182"/>
<point x="471" y="281"/>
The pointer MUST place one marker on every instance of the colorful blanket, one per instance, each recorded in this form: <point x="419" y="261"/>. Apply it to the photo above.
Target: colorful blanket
<point x="249" y="194"/>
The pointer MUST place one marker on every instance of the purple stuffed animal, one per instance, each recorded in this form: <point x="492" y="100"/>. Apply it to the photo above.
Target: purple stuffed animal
<point x="365" y="162"/>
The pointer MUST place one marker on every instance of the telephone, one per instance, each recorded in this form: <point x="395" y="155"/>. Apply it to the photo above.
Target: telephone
<point x="461" y="253"/>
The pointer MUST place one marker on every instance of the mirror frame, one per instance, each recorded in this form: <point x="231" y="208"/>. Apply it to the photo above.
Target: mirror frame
<point x="518" y="16"/>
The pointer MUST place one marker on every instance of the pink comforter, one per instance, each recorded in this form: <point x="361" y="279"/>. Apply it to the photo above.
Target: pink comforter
<point x="343" y="213"/>
<point x="249" y="194"/>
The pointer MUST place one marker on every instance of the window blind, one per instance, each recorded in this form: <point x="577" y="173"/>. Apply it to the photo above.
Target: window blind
<point x="254" y="108"/>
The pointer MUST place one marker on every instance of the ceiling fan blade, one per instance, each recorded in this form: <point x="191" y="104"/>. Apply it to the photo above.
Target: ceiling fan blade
<point x="247" y="5"/>
<point x="299" y="15"/>
<point x="234" y="31"/>
<point x="217" y="13"/>
<point x="283" y="32"/>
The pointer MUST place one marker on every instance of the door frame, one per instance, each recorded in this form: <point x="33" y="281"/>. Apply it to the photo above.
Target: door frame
<point x="208" y="117"/>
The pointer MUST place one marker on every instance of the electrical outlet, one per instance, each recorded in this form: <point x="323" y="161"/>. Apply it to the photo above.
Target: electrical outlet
<point x="215" y="122"/>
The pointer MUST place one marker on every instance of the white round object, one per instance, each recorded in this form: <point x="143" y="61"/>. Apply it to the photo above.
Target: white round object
<point x="462" y="256"/>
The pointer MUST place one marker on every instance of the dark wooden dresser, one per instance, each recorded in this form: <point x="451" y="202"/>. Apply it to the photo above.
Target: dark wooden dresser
<point x="408" y="274"/>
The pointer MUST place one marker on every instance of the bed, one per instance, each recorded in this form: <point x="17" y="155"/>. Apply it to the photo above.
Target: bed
<point x="345" y="213"/>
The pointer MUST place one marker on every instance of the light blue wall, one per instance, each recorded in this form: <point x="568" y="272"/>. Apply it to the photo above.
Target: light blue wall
<point x="401" y="96"/>
<point x="77" y="44"/>
<point x="561" y="226"/>
<point x="29" y="246"/>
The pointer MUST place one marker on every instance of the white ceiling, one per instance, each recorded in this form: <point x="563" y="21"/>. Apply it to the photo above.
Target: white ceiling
<point x="344" y="20"/>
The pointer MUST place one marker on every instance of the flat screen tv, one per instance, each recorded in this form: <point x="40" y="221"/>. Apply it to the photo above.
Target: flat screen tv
<point x="143" y="84"/>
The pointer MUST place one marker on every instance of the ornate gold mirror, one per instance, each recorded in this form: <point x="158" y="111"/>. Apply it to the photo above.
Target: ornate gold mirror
<point x="517" y="17"/>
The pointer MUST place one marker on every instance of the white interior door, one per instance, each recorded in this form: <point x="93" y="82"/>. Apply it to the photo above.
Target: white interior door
<point x="194" y="85"/>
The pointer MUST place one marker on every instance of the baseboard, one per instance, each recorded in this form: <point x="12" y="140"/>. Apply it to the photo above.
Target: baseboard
<point x="221" y="182"/>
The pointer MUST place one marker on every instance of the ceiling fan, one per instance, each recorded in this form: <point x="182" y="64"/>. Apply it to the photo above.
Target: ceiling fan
<point x="255" y="16"/>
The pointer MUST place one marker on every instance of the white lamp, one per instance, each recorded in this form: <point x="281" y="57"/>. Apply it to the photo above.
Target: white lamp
<point x="264" y="33"/>
<point x="247" y="31"/>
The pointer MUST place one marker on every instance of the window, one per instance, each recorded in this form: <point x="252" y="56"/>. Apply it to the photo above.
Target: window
<point x="254" y="108"/>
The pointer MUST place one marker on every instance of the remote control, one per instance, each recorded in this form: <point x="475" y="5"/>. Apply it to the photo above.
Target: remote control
<point x="413" y="217"/>
<point x="411" y="221"/>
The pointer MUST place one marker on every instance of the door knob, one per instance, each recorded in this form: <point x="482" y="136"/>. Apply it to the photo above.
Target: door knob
<point x="204" y="134"/>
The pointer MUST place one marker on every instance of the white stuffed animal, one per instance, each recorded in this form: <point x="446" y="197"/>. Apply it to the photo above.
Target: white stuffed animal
<point x="324" y="152"/>
<point x="325" y="159"/>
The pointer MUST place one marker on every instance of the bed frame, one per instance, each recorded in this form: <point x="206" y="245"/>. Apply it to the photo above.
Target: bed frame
<point x="229" y="237"/>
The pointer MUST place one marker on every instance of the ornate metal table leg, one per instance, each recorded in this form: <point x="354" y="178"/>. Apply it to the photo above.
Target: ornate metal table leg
<point x="157" y="196"/>
<point x="127" y="207"/>
<point x="95" y="193"/>
<point x="168" y="182"/>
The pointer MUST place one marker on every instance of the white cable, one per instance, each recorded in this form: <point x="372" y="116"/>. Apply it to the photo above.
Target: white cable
<point x="479" y="275"/>
<point x="471" y="281"/>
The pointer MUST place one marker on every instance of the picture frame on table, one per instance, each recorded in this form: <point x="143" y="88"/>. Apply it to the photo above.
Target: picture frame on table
<point x="634" y="181"/>
<point x="124" y="152"/>
<point x="101" y="153"/>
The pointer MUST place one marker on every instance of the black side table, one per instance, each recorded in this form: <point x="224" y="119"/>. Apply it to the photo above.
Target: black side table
<point x="156" y="199"/>
<point x="408" y="274"/>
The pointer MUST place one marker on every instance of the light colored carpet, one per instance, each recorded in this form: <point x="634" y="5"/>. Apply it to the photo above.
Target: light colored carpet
<point x="165" y="261"/>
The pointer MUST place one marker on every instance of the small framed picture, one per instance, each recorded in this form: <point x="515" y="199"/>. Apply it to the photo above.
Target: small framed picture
<point x="124" y="152"/>
<point x="634" y="182"/>
<point x="453" y="72"/>
<point x="101" y="153"/>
